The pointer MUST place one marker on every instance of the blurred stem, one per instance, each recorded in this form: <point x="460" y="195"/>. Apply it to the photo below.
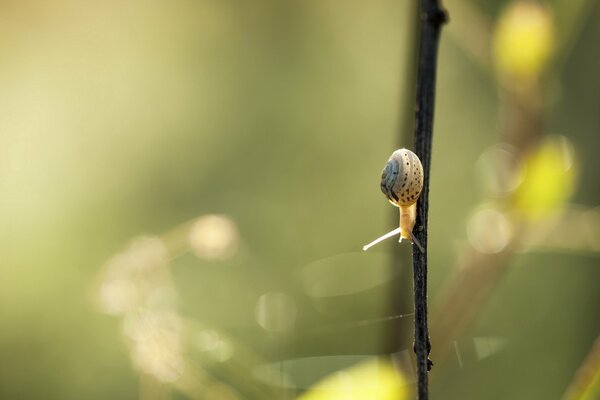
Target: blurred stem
<point x="573" y="16"/>
<point x="433" y="16"/>
<point x="586" y="384"/>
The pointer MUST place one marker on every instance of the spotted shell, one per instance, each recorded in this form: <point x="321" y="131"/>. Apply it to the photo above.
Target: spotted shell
<point x="402" y="178"/>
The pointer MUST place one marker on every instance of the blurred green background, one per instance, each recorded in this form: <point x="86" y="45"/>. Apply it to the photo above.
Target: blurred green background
<point x="185" y="188"/>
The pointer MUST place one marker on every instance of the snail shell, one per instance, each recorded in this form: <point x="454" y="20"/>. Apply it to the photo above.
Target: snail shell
<point x="402" y="183"/>
<point x="402" y="178"/>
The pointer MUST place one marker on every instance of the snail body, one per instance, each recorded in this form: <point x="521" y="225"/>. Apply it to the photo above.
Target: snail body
<point x="402" y="183"/>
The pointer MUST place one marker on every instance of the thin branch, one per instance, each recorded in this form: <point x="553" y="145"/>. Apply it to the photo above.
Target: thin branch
<point x="433" y="16"/>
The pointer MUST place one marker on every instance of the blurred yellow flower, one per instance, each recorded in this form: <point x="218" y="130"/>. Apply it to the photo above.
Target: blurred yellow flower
<point x="373" y="379"/>
<point x="523" y="40"/>
<point x="549" y="178"/>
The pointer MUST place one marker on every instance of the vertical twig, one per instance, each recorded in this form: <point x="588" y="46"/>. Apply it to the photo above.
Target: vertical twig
<point x="433" y="16"/>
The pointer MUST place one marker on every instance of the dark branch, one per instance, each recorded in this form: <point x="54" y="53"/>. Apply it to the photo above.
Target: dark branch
<point x="433" y="16"/>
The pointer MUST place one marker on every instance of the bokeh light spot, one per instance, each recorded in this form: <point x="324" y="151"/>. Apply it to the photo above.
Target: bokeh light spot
<point x="488" y="346"/>
<point x="489" y="230"/>
<point x="276" y="312"/>
<point x="214" y="345"/>
<point x="501" y="169"/>
<point x="214" y="237"/>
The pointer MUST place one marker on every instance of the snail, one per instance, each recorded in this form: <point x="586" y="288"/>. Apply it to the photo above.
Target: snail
<point x="402" y="182"/>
